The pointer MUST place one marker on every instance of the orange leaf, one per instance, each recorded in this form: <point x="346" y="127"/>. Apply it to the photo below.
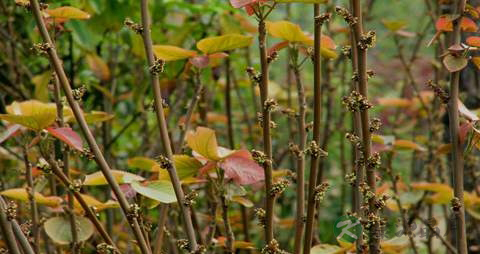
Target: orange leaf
<point x="473" y="41"/>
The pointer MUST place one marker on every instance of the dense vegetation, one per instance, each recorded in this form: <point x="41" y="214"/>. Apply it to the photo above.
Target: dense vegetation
<point x="241" y="126"/>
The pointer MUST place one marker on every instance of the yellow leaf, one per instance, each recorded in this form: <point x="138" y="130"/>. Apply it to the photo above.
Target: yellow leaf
<point x="97" y="116"/>
<point x="293" y="33"/>
<point x="93" y="202"/>
<point x="22" y="194"/>
<point x="32" y="114"/>
<point x="204" y="142"/>
<point x="394" y="25"/>
<point x="97" y="178"/>
<point x="443" y="193"/>
<point x="172" y="53"/>
<point x="407" y="144"/>
<point x="394" y="102"/>
<point x="288" y="31"/>
<point x="67" y="12"/>
<point x="224" y="43"/>
<point x="98" y="66"/>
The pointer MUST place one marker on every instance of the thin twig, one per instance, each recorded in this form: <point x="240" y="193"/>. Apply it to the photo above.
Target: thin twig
<point x="77" y="111"/>
<point x="162" y="124"/>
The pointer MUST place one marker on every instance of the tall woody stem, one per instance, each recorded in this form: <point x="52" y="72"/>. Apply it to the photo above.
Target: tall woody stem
<point x="457" y="149"/>
<point x="300" y="154"/>
<point x="266" y="118"/>
<point x="77" y="111"/>
<point x="317" y="116"/>
<point x="162" y="124"/>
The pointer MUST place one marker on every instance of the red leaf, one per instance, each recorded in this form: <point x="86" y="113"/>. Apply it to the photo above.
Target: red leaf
<point x="242" y="169"/>
<point x="12" y="130"/>
<point x="473" y="41"/>
<point x="68" y="136"/>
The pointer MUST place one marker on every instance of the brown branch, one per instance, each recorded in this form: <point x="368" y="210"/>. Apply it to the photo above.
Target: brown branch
<point x="317" y="116"/>
<point x="77" y="111"/>
<point x="300" y="154"/>
<point x="162" y="124"/>
<point x="457" y="149"/>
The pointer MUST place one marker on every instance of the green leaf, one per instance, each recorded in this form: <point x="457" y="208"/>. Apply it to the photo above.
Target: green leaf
<point x="455" y="63"/>
<point x="224" y="43"/>
<point x="160" y="190"/>
<point x="59" y="229"/>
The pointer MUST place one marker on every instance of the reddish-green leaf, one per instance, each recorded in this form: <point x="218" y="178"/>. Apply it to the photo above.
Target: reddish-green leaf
<point x="67" y="135"/>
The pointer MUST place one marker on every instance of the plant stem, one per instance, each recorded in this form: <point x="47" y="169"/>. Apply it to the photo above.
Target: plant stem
<point x="228" y="103"/>
<point x="162" y="219"/>
<point x="57" y="65"/>
<point x="300" y="156"/>
<point x="191" y="109"/>
<point x="7" y="232"/>
<point x="406" y="227"/>
<point x="357" y="167"/>
<point x="71" y="217"/>
<point x="226" y="223"/>
<point x="17" y="231"/>
<point x="31" y="199"/>
<point x="317" y="116"/>
<point x="457" y="149"/>
<point x="374" y="231"/>
<point x="266" y="118"/>
<point x="162" y="124"/>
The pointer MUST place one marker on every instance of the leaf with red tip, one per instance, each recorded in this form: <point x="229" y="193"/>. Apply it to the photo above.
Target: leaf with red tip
<point x="68" y="136"/>
<point x="473" y="41"/>
<point x="241" y="168"/>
